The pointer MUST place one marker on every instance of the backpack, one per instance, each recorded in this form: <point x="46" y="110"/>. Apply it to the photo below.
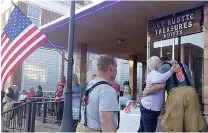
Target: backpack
<point x="85" y="98"/>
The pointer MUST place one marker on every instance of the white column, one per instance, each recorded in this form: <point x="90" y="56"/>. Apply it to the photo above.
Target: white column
<point x="173" y="49"/>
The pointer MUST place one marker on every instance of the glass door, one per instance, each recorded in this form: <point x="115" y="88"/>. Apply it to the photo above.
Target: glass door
<point x="163" y="48"/>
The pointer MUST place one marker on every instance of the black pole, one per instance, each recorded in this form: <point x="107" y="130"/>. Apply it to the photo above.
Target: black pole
<point x="33" y="114"/>
<point x="67" y="120"/>
<point x="179" y="49"/>
<point x="29" y="106"/>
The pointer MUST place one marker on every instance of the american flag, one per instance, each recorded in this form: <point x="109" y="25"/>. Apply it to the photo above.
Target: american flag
<point x="19" y="39"/>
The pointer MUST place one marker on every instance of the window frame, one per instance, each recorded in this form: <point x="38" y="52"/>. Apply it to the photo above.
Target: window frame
<point x="31" y="6"/>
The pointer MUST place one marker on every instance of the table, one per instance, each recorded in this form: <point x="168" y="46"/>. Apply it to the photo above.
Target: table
<point x="129" y="122"/>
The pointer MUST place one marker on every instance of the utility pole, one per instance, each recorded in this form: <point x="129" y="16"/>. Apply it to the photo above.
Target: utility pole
<point x="67" y="124"/>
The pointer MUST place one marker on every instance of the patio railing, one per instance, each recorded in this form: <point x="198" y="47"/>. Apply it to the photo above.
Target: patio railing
<point x="20" y="118"/>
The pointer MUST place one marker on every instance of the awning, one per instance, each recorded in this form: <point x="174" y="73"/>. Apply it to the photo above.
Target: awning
<point x="100" y="25"/>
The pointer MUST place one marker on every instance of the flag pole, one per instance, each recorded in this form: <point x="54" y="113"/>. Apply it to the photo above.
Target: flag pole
<point x="57" y="49"/>
<point x="67" y="124"/>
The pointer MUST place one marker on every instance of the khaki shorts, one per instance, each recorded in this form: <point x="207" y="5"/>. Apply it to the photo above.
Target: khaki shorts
<point x="182" y="112"/>
<point x="82" y="128"/>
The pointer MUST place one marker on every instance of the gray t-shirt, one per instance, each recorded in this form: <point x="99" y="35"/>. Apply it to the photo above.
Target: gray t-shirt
<point x="102" y="98"/>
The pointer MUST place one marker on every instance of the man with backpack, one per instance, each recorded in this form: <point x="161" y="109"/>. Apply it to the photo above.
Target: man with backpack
<point x="100" y="107"/>
<point x="182" y="110"/>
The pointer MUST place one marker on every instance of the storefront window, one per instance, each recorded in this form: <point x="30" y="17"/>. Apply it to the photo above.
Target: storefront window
<point x="187" y="49"/>
<point x="162" y="48"/>
<point x="180" y="37"/>
<point x="192" y="54"/>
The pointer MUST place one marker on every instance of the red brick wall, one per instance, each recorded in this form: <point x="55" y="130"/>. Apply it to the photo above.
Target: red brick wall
<point x="48" y="16"/>
<point x="23" y="6"/>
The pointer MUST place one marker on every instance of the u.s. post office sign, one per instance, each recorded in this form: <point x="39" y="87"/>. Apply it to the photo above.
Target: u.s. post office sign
<point x="174" y="25"/>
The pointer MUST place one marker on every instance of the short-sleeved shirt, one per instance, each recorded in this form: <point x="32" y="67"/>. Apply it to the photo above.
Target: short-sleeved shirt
<point x="103" y="98"/>
<point x="58" y="84"/>
<point x="76" y="100"/>
<point x="155" y="101"/>
<point x="180" y="77"/>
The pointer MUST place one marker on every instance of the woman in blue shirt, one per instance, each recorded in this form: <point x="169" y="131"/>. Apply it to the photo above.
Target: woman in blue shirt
<point x="76" y="94"/>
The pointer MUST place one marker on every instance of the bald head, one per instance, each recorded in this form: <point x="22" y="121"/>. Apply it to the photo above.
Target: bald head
<point x="104" y="61"/>
<point x="107" y="67"/>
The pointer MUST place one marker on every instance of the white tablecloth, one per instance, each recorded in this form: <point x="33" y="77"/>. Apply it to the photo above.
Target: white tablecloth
<point x="129" y="122"/>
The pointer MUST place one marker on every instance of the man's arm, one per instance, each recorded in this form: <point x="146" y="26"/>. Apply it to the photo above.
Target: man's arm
<point x="154" y="89"/>
<point x="157" y="87"/>
<point x="160" y="78"/>
<point x="108" y="105"/>
<point x="107" y="122"/>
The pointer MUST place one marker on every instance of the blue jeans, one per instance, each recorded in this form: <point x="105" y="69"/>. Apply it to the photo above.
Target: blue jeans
<point x="60" y="111"/>
<point x="148" y="120"/>
<point x="38" y="107"/>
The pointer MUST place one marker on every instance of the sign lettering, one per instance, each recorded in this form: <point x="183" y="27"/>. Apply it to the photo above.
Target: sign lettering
<point x="175" y="25"/>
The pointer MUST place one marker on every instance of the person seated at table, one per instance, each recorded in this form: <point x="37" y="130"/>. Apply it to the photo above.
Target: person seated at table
<point x="127" y="90"/>
<point x="124" y="101"/>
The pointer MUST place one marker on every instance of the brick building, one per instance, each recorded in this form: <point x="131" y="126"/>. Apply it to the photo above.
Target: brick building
<point x="176" y="29"/>
<point x="44" y="66"/>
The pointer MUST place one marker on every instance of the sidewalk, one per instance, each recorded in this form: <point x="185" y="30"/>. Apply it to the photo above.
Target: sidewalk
<point x="128" y="123"/>
<point x="45" y="127"/>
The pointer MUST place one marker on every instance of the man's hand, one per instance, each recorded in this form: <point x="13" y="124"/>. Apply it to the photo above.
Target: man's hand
<point x="173" y="62"/>
<point x="145" y="92"/>
<point x="74" y="95"/>
<point x="57" y="98"/>
<point x="154" y="89"/>
<point x="175" y="69"/>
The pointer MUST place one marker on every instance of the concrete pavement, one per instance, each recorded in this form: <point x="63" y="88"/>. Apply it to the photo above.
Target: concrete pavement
<point x="46" y="127"/>
<point x="128" y="123"/>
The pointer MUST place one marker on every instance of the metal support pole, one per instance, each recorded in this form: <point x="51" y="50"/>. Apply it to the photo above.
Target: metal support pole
<point x="32" y="124"/>
<point x="67" y="120"/>
<point x="28" y="116"/>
